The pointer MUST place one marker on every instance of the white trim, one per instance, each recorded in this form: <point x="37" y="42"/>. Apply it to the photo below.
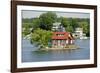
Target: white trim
<point x="66" y="41"/>
<point x="71" y="41"/>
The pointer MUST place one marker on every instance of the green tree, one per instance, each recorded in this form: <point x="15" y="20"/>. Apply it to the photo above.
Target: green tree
<point x="69" y="29"/>
<point x="74" y="23"/>
<point x="68" y="24"/>
<point x="35" y="23"/>
<point x="25" y="31"/>
<point x="26" y="28"/>
<point x="41" y="37"/>
<point x="65" y="22"/>
<point x="47" y="20"/>
<point x="86" y="27"/>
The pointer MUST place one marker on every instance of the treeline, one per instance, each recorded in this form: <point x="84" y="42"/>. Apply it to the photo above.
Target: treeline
<point x="45" y="21"/>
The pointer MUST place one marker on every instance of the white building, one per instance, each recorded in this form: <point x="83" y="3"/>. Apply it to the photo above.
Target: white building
<point x="79" y="33"/>
<point x="58" y="27"/>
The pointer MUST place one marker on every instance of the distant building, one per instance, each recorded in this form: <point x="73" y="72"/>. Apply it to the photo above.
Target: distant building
<point x="61" y="39"/>
<point x="58" y="27"/>
<point x="79" y="33"/>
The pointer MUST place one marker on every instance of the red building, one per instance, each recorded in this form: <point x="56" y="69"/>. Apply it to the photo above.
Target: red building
<point x="61" y="39"/>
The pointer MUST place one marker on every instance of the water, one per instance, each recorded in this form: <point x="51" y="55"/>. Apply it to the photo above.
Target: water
<point x="28" y="54"/>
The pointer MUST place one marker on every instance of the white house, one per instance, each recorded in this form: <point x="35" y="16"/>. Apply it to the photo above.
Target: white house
<point x="58" y="27"/>
<point x="79" y="33"/>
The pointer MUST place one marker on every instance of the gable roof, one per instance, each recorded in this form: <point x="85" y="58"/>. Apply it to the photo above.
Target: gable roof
<point x="62" y="36"/>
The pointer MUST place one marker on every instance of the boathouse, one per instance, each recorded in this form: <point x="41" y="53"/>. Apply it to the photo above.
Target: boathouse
<point x="62" y="39"/>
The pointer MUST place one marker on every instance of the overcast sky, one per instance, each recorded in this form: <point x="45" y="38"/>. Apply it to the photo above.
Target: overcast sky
<point x="33" y="14"/>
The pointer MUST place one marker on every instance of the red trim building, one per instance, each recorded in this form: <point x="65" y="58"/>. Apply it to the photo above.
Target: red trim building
<point x="61" y="39"/>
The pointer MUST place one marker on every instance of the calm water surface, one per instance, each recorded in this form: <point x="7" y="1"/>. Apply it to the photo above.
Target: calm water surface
<point x="28" y="54"/>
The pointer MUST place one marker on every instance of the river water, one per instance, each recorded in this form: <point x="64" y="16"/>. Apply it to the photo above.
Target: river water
<point x="28" y="54"/>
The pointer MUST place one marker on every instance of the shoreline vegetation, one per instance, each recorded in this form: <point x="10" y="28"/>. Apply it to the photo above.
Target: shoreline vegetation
<point x="39" y="29"/>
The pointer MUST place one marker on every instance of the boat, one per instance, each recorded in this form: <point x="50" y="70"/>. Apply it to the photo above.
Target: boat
<point x="83" y="37"/>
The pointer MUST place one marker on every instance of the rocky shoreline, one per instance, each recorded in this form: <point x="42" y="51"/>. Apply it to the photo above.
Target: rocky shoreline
<point x="68" y="47"/>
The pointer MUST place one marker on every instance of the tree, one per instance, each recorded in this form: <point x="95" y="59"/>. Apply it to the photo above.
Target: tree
<point x="26" y="28"/>
<point x="74" y="23"/>
<point x="86" y="27"/>
<point x="47" y="20"/>
<point x="35" y="23"/>
<point x="41" y="37"/>
<point x="65" y="22"/>
<point x="69" y="29"/>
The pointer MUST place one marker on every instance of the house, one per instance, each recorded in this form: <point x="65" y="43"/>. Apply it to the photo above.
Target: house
<point x="58" y="27"/>
<point x="61" y="39"/>
<point x="79" y="33"/>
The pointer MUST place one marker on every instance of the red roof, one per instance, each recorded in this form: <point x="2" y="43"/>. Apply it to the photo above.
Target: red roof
<point x="61" y="35"/>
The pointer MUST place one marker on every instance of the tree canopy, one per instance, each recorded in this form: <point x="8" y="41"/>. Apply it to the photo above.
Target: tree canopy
<point x="47" y="20"/>
<point x="41" y="37"/>
<point x="86" y="27"/>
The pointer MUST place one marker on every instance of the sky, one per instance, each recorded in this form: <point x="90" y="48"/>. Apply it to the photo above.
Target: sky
<point x="34" y="14"/>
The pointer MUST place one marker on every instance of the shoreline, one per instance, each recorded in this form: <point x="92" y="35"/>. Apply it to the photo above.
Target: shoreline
<point x="68" y="47"/>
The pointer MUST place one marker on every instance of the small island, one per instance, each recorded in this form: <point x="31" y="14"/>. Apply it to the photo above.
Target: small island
<point x="61" y="41"/>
